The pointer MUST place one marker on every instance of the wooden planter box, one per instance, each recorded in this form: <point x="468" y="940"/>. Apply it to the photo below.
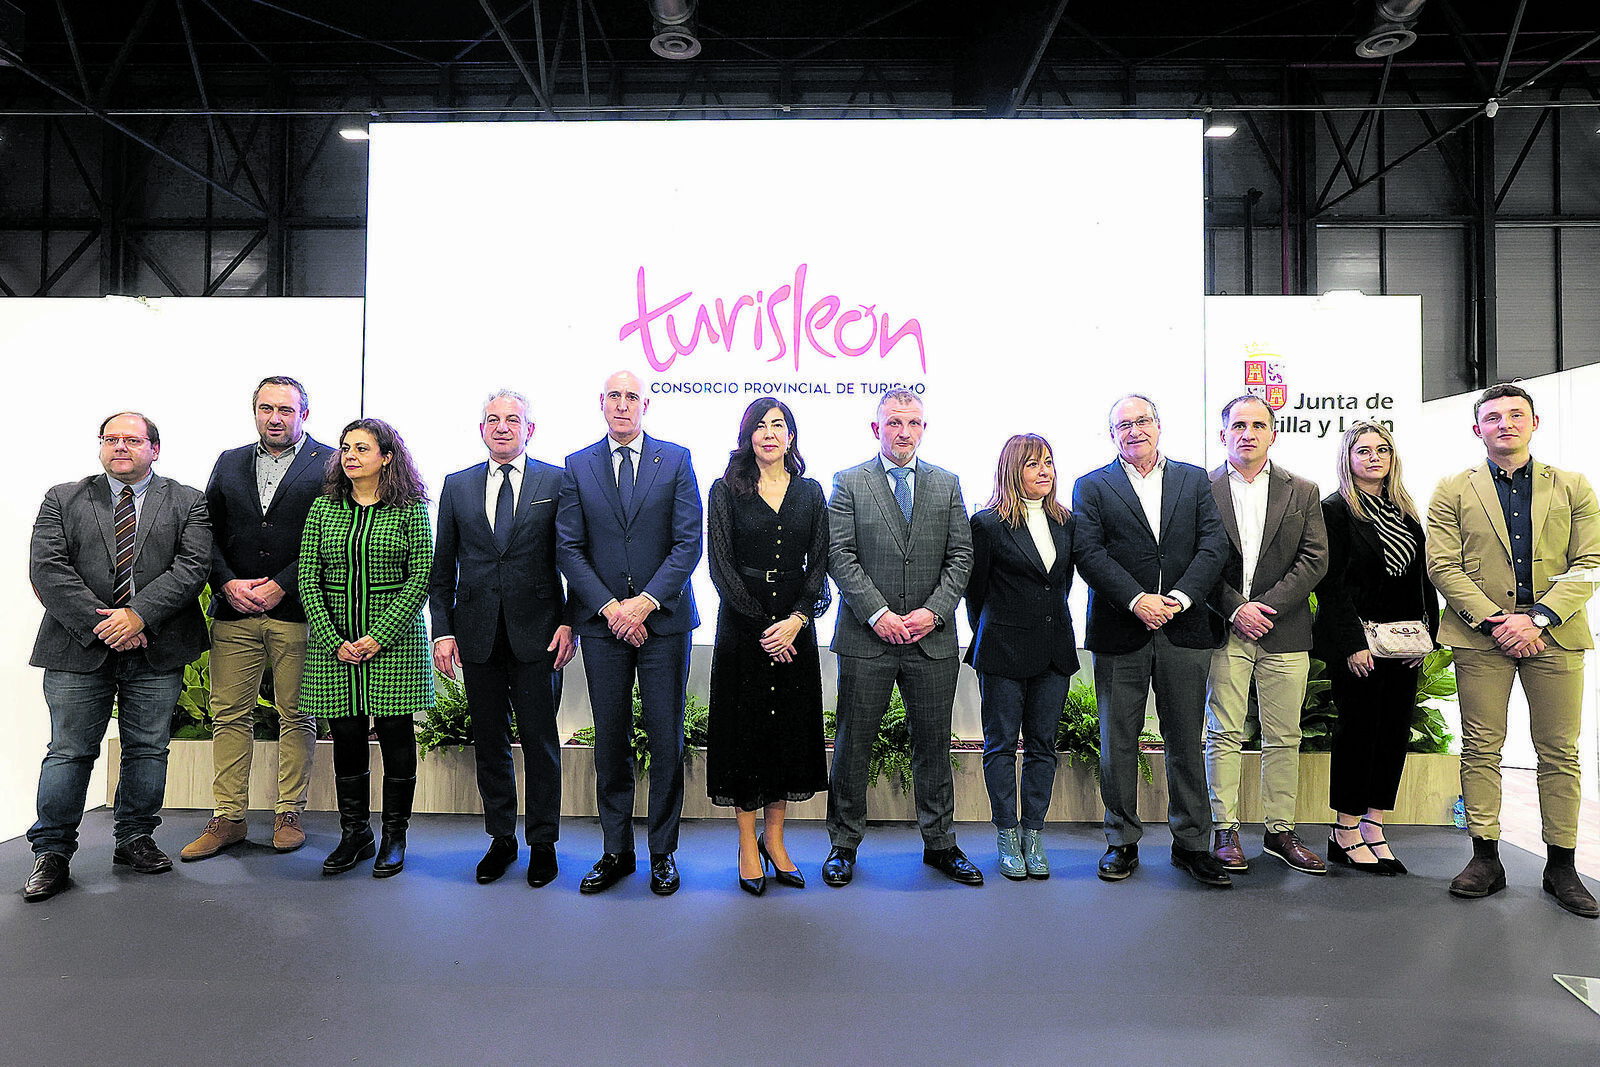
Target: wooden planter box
<point x="447" y="783"/>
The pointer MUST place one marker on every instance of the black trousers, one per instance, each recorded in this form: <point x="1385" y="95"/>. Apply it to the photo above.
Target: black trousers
<point x="498" y="689"/>
<point x="1369" y="740"/>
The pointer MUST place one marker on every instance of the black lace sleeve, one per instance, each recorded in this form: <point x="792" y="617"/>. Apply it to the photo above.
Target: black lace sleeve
<point x="815" y="596"/>
<point x="719" y="550"/>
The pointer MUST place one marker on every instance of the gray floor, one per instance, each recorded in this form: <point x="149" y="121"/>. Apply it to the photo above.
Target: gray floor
<point x="254" y="958"/>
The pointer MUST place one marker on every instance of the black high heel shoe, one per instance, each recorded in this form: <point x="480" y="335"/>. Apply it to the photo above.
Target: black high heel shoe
<point x="754" y="886"/>
<point x="793" y="879"/>
<point x="1394" y="865"/>
<point x="1339" y="855"/>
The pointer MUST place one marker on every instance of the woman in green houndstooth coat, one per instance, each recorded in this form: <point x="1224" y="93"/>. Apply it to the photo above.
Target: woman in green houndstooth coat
<point x="364" y="563"/>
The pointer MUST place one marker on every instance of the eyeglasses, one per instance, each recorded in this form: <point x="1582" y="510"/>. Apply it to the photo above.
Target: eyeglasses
<point x="112" y="440"/>
<point x="1143" y="422"/>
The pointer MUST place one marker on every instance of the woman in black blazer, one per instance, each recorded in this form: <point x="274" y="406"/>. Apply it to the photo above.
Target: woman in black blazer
<point x="1022" y="643"/>
<point x="1376" y="573"/>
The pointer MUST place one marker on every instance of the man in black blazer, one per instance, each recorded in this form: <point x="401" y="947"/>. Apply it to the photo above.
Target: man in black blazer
<point x="499" y="615"/>
<point x="629" y="530"/>
<point x="1148" y="541"/>
<point x="118" y="560"/>
<point x="258" y="497"/>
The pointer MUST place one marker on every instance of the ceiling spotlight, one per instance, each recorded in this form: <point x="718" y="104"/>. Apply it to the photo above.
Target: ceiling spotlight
<point x="355" y="133"/>
<point x="1220" y="128"/>
<point x="675" y="31"/>
<point x="1391" y="32"/>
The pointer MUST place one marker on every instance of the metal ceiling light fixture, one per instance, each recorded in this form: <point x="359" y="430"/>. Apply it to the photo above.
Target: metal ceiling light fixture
<point x="1391" y="30"/>
<point x="674" y="29"/>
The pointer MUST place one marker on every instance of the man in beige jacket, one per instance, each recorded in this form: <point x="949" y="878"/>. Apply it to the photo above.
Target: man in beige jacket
<point x="1498" y="535"/>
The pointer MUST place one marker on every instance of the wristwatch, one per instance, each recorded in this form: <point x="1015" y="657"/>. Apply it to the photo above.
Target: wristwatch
<point x="1540" y="619"/>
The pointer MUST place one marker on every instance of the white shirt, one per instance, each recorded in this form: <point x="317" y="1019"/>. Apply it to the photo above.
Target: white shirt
<point x="1039" y="527"/>
<point x="1250" y="512"/>
<point x="911" y="482"/>
<point x="491" y="489"/>
<point x="1147" y="487"/>
<point x="636" y="447"/>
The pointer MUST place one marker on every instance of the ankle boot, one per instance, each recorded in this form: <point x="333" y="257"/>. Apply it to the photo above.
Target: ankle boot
<point x="1562" y="882"/>
<point x="1033" y="853"/>
<point x="355" y="824"/>
<point x="1012" y="864"/>
<point x="1483" y="875"/>
<point x="397" y="796"/>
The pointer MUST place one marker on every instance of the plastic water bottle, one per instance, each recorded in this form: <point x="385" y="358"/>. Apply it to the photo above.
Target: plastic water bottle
<point x="1458" y="813"/>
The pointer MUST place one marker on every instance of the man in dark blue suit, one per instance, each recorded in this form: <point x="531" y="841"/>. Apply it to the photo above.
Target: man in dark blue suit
<point x="498" y="615"/>
<point x="628" y="532"/>
<point x="1149" y="542"/>
<point x="258" y="497"/>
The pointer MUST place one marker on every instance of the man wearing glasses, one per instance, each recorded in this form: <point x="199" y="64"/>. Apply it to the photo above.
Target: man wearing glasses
<point x="1149" y="542"/>
<point x="118" y="561"/>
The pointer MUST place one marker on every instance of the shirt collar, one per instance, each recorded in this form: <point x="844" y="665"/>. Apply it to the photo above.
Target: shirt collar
<point x="637" y="444"/>
<point x="518" y="464"/>
<point x="263" y="450"/>
<point x="888" y="466"/>
<point x="1234" y="475"/>
<point x="1133" y="472"/>
<point x="1524" y="471"/>
<point x="138" y="487"/>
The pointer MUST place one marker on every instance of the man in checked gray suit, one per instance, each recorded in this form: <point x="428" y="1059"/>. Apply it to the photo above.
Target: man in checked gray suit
<point x="900" y="551"/>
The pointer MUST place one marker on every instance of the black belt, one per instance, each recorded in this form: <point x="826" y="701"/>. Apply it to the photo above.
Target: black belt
<point x="772" y="576"/>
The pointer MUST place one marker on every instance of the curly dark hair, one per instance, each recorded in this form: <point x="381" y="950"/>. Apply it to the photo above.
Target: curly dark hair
<point x="742" y="474"/>
<point x="398" y="486"/>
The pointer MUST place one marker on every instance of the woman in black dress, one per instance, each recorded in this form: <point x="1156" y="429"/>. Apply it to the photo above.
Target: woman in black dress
<point x="1376" y="573"/>
<point x="768" y="546"/>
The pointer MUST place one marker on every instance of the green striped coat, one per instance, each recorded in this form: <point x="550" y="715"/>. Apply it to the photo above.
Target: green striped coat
<point x="364" y="571"/>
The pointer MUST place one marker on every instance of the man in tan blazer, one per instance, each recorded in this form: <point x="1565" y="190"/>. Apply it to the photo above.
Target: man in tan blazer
<point x="1498" y="535"/>
<point x="1261" y="627"/>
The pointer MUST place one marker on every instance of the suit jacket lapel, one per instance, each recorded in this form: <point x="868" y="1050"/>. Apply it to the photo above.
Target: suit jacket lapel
<point x="1117" y="478"/>
<point x="313" y="456"/>
<point x="155" y="502"/>
<point x="1058" y="535"/>
<point x="1543" y="486"/>
<point x="477" y="487"/>
<point x="600" y="468"/>
<point x="878" y="485"/>
<point x="644" y="475"/>
<point x="1277" y="505"/>
<point x="1482" y="482"/>
<point x="1222" y="493"/>
<point x="1171" y="491"/>
<point x="1023" y="538"/>
<point x="104" y="515"/>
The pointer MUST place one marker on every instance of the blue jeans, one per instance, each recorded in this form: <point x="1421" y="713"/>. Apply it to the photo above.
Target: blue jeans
<point x="80" y="709"/>
<point x="1033" y="707"/>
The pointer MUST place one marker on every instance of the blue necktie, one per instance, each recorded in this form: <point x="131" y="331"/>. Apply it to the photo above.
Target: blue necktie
<point x="902" y="489"/>
<point x="625" y="477"/>
<point x="504" y="509"/>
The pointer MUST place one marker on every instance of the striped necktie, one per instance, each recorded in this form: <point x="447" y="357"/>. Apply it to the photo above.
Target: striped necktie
<point x="127" y="525"/>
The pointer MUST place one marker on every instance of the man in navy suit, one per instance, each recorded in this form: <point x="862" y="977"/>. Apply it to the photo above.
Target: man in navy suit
<point x="497" y="608"/>
<point x="628" y="536"/>
<point x="1149" y="542"/>
<point x="258" y="497"/>
<point x="117" y="560"/>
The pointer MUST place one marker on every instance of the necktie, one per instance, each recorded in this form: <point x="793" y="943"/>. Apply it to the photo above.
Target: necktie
<point x="127" y="526"/>
<point x="902" y="489"/>
<point x="504" y="509"/>
<point x="625" y="477"/>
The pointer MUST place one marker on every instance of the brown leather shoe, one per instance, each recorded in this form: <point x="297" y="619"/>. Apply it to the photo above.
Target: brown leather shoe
<point x="1287" y="846"/>
<point x="1562" y="882"/>
<point x="1225" y="847"/>
<point x="50" y="876"/>
<point x="218" y="835"/>
<point x="287" y="834"/>
<point x="1483" y="874"/>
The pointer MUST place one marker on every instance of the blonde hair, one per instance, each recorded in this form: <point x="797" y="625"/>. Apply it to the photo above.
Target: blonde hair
<point x="1008" y="499"/>
<point x="1393" y="487"/>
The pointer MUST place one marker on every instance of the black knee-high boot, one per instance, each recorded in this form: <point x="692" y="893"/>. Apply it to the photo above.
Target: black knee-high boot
<point x="355" y="824"/>
<point x="397" y="797"/>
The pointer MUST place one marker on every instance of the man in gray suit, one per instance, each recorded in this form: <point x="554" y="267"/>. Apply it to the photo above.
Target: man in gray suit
<point x="1261" y="625"/>
<point x="900" y="550"/>
<point x="118" y="560"/>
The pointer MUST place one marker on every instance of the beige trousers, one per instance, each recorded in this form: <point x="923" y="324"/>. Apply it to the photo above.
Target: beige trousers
<point x="241" y="649"/>
<point x="1553" y="683"/>
<point x="1280" y="684"/>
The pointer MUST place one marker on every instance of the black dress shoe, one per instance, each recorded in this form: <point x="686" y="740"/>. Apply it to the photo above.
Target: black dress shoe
<point x="953" y="864"/>
<point x="794" y="879"/>
<point x="1118" y="862"/>
<point x="606" y="873"/>
<point x="1201" y="865"/>
<point x="542" y="866"/>
<point x="142" y="855"/>
<point x="49" y="877"/>
<point x="502" y="850"/>
<point x="663" y="874"/>
<point x="839" y="867"/>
